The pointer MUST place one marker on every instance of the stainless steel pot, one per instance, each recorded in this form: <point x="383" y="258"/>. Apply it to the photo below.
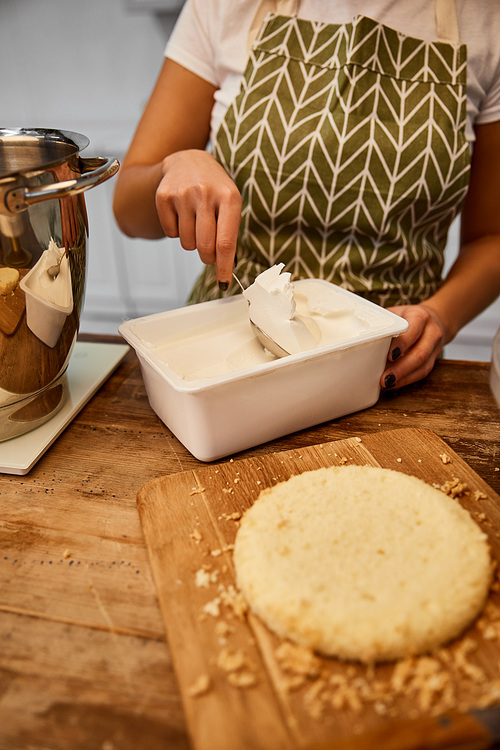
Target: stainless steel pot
<point x="43" y="222"/>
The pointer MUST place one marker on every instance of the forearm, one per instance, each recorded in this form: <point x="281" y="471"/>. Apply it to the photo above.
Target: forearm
<point x="176" y="119"/>
<point x="472" y="284"/>
<point x="134" y="199"/>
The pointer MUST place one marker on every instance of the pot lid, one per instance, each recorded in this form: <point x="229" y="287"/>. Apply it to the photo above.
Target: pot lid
<point x="24" y="150"/>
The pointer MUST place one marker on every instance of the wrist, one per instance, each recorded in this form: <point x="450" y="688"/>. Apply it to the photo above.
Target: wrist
<point x="443" y="321"/>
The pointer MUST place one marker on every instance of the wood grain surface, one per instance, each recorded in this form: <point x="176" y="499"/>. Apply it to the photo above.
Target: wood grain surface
<point x="84" y="662"/>
<point x="189" y="526"/>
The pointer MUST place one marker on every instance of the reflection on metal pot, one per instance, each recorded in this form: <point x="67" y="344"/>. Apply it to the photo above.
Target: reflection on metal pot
<point x="43" y="223"/>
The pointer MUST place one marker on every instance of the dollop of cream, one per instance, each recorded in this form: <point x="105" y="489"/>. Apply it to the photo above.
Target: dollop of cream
<point x="273" y="309"/>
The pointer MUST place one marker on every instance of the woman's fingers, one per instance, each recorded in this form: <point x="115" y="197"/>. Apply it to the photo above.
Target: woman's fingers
<point x="228" y="226"/>
<point x="205" y="236"/>
<point x="412" y="355"/>
<point x="199" y="203"/>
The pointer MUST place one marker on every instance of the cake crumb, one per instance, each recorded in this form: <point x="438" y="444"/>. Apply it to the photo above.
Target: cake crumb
<point x="298" y="660"/>
<point x="212" y="607"/>
<point x="218" y="552"/>
<point x="238" y="669"/>
<point x="223" y="630"/>
<point x="201" y="686"/>
<point x="196" y="535"/>
<point x="243" y="679"/>
<point x="231" y="661"/>
<point x="445" y="458"/>
<point x="205" y="576"/>
<point x="232" y="516"/>
<point x="197" y="491"/>
<point x="478" y="495"/>
<point x="454" y="487"/>
<point x="293" y="682"/>
<point x="234" y="601"/>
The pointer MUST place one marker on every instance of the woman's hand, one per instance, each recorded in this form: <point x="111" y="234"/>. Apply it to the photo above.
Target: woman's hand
<point x="412" y="354"/>
<point x="473" y="281"/>
<point x="199" y="203"/>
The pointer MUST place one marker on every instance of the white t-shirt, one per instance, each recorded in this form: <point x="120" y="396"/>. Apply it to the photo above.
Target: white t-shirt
<point x="210" y="39"/>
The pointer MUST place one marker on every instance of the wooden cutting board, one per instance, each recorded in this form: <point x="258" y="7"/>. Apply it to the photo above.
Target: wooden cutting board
<point x="189" y="526"/>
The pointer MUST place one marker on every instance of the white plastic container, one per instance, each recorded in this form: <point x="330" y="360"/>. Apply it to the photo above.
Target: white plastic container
<point x="218" y="416"/>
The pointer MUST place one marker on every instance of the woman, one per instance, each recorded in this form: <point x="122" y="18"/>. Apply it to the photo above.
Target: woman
<point x="345" y="151"/>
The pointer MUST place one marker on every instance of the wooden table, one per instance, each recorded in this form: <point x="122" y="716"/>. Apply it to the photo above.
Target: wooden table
<point x="84" y="662"/>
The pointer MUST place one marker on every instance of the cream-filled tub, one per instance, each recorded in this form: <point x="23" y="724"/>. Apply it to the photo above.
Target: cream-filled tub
<point x="219" y="392"/>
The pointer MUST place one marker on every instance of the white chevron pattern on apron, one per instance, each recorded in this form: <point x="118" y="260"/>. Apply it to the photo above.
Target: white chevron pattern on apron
<point x="348" y="145"/>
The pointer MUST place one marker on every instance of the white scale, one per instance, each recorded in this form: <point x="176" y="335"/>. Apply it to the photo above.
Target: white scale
<point x="90" y="365"/>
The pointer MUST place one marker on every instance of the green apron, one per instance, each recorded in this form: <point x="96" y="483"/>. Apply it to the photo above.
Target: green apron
<point x="347" y="143"/>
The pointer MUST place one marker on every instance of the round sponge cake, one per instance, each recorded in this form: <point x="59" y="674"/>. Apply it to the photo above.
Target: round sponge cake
<point x="9" y="278"/>
<point x="362" y="563"/>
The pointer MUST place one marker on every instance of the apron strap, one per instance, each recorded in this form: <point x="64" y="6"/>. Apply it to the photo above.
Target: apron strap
<point x="446" y="21"/>
<point x="445" y="11"/>
<point x="282" y="7"/>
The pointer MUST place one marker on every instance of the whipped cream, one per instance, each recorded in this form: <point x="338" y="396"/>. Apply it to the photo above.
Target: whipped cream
<point x="274" y="311"/>
<point x="316" y="314"/>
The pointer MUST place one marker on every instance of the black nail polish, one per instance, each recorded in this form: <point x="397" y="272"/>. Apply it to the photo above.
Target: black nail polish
<point x="223" y="285"/>
<point x="390" y="381"/>
<point x="396" y="353"/>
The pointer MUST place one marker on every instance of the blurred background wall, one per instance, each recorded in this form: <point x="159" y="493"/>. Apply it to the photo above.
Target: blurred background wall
<point x="89" y="66"/>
